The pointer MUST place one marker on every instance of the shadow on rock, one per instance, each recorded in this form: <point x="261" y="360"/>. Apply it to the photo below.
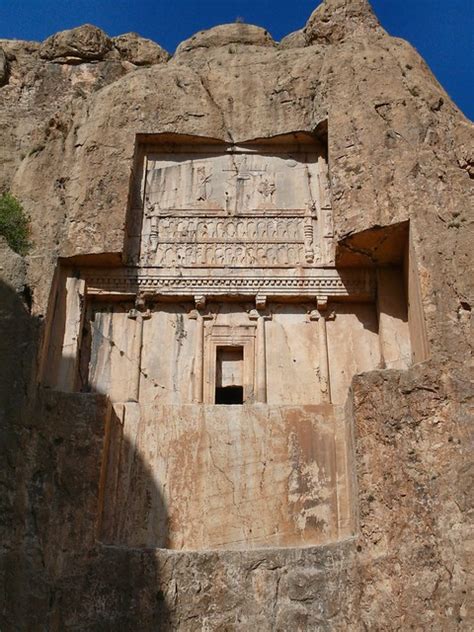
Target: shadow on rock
<point x="56" y="573"/>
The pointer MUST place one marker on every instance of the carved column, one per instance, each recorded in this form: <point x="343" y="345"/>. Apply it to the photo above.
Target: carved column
<point x="311" y="250"/>
<point x="152" y="240"/>
<point x="198" y="372"/>
<point x="322" y="314"/>
<point x="260" y="315"/>
<point x="139" y="314"/>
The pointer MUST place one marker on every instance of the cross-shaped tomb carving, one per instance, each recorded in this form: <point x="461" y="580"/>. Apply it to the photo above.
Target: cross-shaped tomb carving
<point x="230" y="206"/>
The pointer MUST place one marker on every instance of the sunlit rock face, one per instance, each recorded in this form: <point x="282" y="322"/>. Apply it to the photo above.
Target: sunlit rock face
<point x="229" y="328"/>
<point x="240" y="400"/>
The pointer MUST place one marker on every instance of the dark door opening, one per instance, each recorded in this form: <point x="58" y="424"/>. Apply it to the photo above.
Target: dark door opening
<point x="229" y="375"/>
<point x="229" y="395"/>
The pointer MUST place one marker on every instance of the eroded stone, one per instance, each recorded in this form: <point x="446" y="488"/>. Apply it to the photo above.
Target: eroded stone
<point x="238" y="33"/>
<point x="398" y="153"/>
<point x="139" y="50"/>
<point x="84" y="43"/>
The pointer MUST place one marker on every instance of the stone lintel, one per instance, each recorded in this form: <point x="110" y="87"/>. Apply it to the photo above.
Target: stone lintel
<point x="321" y="284"/>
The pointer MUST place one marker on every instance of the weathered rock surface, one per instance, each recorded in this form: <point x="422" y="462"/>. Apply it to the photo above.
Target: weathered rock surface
<point x="334" y="21"/>
<point x="40" y="80"/>
<point x="139" y="50"/>
<point x="238" y="33"/>
<point x="3" y="67"/>
<point x="399" y="150"/>
<point x="84" y="43"/>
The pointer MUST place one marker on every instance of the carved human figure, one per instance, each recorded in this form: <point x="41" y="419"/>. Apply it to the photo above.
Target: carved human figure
<point x="189" y="258"/>
<point x="251" y="230"/>
<point x="282" y="227"/>
<point x="230" y="229"/>
<point x="219" y="255"/>
<point x="266" y="188"/>
<point x="294" y="229"/>
<point x="211" y="228"/>
<point x="240" y="230"/>
<point x="203" y="184"/>
<point x="169" y="258"/>
<point x="282" y="255"/>
<point x="262" y="229"/>
<point x="250" y="255"/>
<point x="219" y="229"/>
<point x="180" y="255"/>
<point x="271" y="255"/>
<point x="261" y="255"/>
<point x="191" y="232"/>
<point x="200" y="254"/>
<point x="291" y="255"/>
<point x="272" y="229"/>
<point x="181" y="229"/>
<point x="240" y="255"/>
<point x="210" y="254"/>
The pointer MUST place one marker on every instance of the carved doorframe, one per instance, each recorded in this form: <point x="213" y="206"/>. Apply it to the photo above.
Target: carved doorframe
<point x="216" y="336"/>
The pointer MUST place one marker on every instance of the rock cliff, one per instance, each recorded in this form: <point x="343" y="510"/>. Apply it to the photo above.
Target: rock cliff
<point x="399" y="151"/>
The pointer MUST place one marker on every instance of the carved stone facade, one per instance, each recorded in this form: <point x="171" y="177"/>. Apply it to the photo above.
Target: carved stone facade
<point x="227" y="344"/>
<point x="261" y="205"/>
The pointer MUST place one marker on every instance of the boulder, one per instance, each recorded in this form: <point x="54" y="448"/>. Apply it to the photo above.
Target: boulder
<point x="334" y="20"/>
<point x="139" y="50"/>
<point x="84" y="43"/>
<point x="237" y="33"/>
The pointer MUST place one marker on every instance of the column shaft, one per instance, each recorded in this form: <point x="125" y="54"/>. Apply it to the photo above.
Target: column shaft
<point x="198" y="360"/>
<point x="136" y="359"/>
<point x="324" y="360"/>
<point x="261" y="364"/>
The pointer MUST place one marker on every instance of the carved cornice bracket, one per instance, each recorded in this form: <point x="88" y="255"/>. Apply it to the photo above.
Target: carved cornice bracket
<point x="141" y="310"/>
<point x="322" y="310"/>
<point x="200" y="301"/>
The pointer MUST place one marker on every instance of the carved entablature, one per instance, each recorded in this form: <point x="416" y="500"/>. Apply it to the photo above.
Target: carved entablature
<point x="257" y="205"/>
<point x="357" y="284"/>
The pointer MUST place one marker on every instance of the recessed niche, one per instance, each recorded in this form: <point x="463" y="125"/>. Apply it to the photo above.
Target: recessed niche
<point x="227" y="345"/>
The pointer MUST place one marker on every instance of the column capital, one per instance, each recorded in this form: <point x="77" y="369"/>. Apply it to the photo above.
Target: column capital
<point x="140" y="310"/>
<point x="142" y="314"/>
<point x="200" y="301"/>
<point x="322" y="310"/>
<point x="255" y="314"/>
<point x="195" y="314"/>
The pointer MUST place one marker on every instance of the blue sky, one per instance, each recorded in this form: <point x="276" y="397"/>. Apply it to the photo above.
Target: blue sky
<point x="442" y="31"/>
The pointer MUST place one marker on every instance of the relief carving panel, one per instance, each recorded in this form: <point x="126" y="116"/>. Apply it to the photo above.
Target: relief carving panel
<point x="236" y="208"/>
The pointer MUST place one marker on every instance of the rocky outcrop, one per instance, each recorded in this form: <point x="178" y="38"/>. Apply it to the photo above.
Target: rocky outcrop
<point x="139" y="50"/>
<point x="3" y="68"/>
<point x="399" y="152"/>
<point x="335" y="20"/>
<point x="85" y="43"/>
<point x="237" y="33"/>
<point x="40" y="80"/>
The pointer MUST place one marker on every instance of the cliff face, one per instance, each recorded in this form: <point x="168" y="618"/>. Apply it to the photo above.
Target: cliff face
<point x="398" y="150"/>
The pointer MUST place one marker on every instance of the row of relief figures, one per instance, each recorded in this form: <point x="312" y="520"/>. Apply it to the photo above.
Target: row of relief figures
<point x="283" y="228"/>
<point x="236" y="254"/>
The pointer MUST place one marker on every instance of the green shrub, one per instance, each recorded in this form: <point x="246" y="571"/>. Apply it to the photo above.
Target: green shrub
<point x="14" y="224"/>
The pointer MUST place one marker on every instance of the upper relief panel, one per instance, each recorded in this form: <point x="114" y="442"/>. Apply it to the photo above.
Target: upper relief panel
<point x="258" y="205"/>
